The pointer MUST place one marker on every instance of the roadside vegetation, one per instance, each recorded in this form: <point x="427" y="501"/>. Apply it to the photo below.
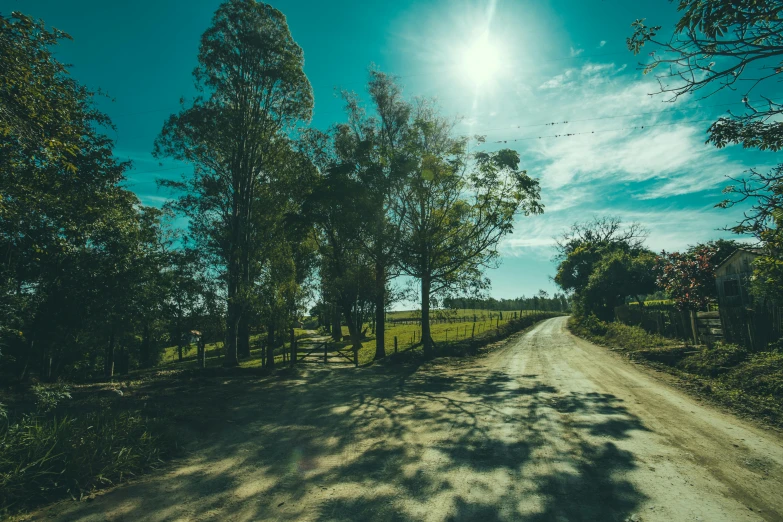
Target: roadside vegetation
<point x="748" y="383"/>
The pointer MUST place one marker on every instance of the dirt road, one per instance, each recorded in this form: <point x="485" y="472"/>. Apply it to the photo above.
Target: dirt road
<point x="549" y="427"/>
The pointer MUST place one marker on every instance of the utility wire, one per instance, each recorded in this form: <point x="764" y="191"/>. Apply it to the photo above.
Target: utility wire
<point x="683" y="109"/>
<point x="570" y="134"/>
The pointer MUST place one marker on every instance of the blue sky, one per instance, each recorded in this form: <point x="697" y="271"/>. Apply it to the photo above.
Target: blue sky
<point x="540" y="62"/>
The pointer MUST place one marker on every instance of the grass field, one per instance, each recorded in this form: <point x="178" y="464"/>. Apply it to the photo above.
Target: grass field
<point x="407" y="335"/>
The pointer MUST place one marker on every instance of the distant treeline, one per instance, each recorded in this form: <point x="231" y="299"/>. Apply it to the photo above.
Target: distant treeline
<point x="540" y="301"/>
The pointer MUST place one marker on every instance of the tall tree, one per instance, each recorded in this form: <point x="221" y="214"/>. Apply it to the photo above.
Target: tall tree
<point x="254" y="91"/>
<point x="371" y="148"/>
<point x="456" y="208"/>
<point x="59" y="197"/>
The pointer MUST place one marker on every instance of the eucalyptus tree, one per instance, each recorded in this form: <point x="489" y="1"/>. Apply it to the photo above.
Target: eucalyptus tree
<point x="369" y="148"/>
<point x="337" y="207"/>
<point x="456" y="208"/>
<point x="253" y="94"/>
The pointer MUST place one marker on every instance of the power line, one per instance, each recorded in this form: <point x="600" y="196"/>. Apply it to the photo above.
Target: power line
<point x="570" y="134"/>
<point x="683" y="109"/>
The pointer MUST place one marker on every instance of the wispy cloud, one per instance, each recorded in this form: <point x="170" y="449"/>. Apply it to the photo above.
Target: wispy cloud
<point x="576" y="52"/>
<point x="603" y="42"/>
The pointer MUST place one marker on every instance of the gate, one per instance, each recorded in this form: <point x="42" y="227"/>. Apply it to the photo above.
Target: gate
<point x="324" y="352"/>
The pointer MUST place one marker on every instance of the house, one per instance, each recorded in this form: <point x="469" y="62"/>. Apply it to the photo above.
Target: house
<point x="732" y="278"/>
<point x="193" y="337"/>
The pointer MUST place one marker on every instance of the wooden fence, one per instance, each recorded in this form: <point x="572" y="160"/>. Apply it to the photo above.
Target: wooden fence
<point x="471" y="318"/>
<point x="753" y="328"/>
<point x="665" y="320"/>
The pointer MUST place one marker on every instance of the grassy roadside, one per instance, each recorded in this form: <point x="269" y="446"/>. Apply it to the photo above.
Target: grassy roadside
<point x="750" y="384"/>
<point x="66" y="441"/>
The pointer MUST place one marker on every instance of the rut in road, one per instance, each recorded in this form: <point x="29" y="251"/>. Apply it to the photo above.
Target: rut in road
<point x="547" y="428"/>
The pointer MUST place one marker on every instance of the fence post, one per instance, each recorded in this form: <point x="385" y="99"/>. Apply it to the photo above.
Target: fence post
<point x="395" y="344"/>
<point x="473" y="333"/>
<point x="293" y="348"/>
<point x="326" y="351"/>
<point x="694" y="330"/>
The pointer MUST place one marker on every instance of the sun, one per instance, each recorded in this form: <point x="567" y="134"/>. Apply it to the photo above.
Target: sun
<point x="480" y="61"/>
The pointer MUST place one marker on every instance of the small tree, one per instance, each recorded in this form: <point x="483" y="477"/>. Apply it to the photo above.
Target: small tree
<point x="689" y="278"/>
<point x="456" y="209"/>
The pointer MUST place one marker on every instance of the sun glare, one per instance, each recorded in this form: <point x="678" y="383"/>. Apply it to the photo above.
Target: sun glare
<point x="480" y="61"/>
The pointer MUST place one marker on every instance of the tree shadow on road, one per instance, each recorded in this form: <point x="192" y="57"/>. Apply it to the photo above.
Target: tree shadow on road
<point x="434" y="442"/>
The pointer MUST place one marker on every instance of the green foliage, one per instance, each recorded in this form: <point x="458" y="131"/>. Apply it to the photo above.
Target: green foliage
<point x="767" y="280"/>
<point x="602" y="263"/>
<point x="716" y="360"/>
<point x="762" y="375"/>
<point x="620" y="336"/>
<point x="44" y="458"/>
<point x="48" y="397"/>
<point x="81" y="260"/>
<point x="689" y="277"/>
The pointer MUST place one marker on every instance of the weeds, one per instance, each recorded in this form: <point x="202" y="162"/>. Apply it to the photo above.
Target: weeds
<point x="45" y="457"/>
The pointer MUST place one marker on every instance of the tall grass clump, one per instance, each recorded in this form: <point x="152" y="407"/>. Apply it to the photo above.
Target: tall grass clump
<point x="46" y="456"/>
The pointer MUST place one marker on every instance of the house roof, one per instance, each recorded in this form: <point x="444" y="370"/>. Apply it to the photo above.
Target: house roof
<point x="750" y="250"/>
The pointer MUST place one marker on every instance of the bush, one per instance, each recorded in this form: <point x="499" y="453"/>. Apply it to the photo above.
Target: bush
<point x="48" y="397"/>
<point x="762" y="375"/>
<point x="711" y="362"/>
<point x="43" y="458"/>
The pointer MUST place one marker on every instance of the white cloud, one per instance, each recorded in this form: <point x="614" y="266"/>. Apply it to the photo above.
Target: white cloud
<point x="576" y="52"/>
<point x="603" y="42"/>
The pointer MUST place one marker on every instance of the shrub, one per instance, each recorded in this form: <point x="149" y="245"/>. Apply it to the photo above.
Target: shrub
<point x="48" y="397"/>
<point x="43" y="458"/>
<point x="711" y="362"/>
<point x="762" y="374"/>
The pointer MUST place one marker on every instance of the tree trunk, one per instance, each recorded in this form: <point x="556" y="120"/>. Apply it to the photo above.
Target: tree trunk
<point x="243" y="338"/>
<point x="232" y="319"/>
<point x="178" y="333"/>
<point x="425" y="316"/>
<point x="270" y="345"/>
<point x="380" y="310"/>
<point x="145" y="348"/>
<point x="353" y="331"/>
<point x="108" y="364"/>
<point x="292" y="358"/>
<point x="337" y="330"/>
